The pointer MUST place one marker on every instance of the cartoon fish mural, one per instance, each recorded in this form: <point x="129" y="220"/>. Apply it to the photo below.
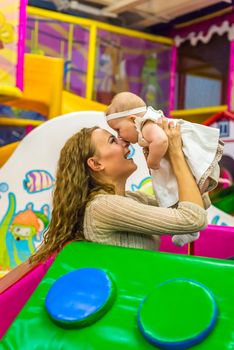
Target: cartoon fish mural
<point x="38" y="180"/>
<point x="4" y="225"/>
<point x="151" y="90"/>
<point x="132" y="151"/>
<point x="145" y="186"/>
<point x="3" y="188"/>
<point x="216" y="221"/>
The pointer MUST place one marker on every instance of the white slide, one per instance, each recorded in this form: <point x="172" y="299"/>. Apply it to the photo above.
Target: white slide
<point x="219" y="217"/>
<point x="27" y="180"/>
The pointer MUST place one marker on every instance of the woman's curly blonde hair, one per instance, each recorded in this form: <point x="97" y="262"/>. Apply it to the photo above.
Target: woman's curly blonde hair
<point x="75" y="187"/>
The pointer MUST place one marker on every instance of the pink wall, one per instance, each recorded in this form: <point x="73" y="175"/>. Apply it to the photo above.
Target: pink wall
<point x="21" y="44"/>
<point x="214" y="242"/>
<point x="231" y="78"/>
<point x="13" y="299"/>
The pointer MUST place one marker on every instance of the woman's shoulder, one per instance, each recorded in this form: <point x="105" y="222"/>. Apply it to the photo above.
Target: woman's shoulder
<point x="129" y="195"/>
<point x="142" y="197"/>
<point x="107" y="204"/>
<point x="105" y="199"/>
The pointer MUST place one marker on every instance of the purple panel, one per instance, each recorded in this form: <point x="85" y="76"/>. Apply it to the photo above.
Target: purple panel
<point x="131" y="64"/>
<point x="79" y="60"/>
<point x="29" y="34"/>
<point x="53" y="39"/>
<point x="10" y="134"/>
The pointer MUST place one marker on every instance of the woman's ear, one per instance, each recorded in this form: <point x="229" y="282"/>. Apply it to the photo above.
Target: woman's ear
<point x="94" y="164"/>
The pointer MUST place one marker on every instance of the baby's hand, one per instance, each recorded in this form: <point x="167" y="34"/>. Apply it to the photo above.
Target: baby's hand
<point x="159" y="122"/>
<point x="146" y="152"/>
<point x="174" y="137"/>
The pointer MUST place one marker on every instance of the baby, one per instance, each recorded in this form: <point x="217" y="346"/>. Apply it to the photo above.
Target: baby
<point x="135" y="122"/>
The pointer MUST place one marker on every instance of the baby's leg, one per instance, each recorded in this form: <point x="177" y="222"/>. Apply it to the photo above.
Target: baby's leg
<point x="205" y="185"/>
<point x="211" y="181"/>
<point x="181" y="240"/>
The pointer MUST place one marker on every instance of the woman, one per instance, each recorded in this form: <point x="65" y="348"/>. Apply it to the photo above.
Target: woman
<point x="90" y="202"/>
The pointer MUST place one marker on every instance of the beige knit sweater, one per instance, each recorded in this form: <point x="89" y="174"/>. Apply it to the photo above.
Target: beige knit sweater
<point x="136" y="221"/>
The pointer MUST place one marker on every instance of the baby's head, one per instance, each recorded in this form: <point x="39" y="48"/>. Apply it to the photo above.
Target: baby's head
<point x="123" y="123"/>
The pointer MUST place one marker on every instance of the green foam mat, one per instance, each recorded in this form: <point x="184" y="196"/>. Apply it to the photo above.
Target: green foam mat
<point x="135" y="273"/>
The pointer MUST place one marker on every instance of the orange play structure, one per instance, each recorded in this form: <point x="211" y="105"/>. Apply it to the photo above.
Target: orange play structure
<point x="43" y="93"/>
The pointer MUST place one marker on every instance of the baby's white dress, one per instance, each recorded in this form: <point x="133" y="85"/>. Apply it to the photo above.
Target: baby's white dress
<point x="202" y="148"/>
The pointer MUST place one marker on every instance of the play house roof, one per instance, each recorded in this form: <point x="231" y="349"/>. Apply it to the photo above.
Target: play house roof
<point x="220" y="115"/>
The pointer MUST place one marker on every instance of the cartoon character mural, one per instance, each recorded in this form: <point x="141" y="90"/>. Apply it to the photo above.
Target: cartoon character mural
<point x="12" y="38"/>
<point x="26" y="233"/>
<point x="111" y="67"/>
<point x="4" y="225"/>
<point x="6" y="31"/>
<point x="151" y="88"/>
<point x="3" y="187"/>
<point x="144" y="186"/>
<point x="21" y="232"/>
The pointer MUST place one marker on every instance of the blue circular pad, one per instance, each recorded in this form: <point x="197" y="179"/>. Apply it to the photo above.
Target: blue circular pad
<point x="80" y="297"/>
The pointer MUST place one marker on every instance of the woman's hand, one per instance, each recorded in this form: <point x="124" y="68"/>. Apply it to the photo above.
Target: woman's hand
<point x="174" y="136"/>
<point x="146" y="152"/>
<point x="187" y="187"/>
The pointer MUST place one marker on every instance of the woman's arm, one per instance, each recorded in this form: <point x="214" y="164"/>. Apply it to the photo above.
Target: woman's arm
<point x="110" y="213"/>
<point x="188" y="189"/>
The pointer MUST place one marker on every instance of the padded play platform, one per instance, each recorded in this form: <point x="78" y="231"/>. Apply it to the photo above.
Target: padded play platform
<point x="136" y="274"/>
<point x="177" y="314"/>
<point x="79" y="298"/>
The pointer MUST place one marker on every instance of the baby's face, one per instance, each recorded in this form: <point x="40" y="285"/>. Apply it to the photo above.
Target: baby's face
<point x="125" y="128"/>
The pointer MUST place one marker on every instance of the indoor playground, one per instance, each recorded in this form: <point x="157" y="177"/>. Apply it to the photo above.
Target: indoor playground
<point x="61" y="64"/>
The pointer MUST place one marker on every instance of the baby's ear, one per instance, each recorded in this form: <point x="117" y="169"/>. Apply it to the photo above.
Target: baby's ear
<point x="131" y="117"/>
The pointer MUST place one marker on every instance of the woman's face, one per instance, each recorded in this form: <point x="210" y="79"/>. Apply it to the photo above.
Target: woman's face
<point x="111" y="154"/>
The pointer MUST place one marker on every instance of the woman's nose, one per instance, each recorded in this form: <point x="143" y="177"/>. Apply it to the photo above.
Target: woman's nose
<point x="123" y="142"/>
